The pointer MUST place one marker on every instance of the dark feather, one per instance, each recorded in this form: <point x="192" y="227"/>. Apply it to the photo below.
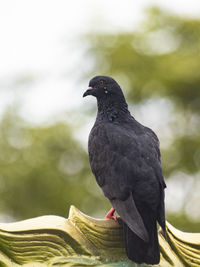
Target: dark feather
<point x="125" y="159"/>
<point x="133" y="219"/>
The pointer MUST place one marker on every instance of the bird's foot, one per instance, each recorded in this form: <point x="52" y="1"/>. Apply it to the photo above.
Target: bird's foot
<point x="110" y="215"/>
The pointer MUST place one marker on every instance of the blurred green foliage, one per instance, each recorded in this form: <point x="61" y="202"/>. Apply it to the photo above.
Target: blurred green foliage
<point x="161" y="60"/>
<point x="43" y="170"/>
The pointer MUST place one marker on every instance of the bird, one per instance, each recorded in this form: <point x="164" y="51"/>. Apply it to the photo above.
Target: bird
<point x="125" y="159"/>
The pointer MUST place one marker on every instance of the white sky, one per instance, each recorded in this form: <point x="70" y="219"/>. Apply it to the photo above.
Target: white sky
<point x="39" y="38"/>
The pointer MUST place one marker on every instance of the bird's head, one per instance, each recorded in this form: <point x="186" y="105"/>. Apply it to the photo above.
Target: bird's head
<point x="103" y="87"/>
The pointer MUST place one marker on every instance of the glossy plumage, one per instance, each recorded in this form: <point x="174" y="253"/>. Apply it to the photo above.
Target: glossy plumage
<point x="125" y="159"/>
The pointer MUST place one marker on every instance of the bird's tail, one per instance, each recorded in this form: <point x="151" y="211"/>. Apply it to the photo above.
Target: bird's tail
<point x="139" y="251"/>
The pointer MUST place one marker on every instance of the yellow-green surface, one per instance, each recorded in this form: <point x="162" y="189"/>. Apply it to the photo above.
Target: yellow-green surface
<point x="84" y="241"/>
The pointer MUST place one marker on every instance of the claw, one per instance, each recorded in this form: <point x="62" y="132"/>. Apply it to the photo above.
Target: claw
<point x="110" y="215"/>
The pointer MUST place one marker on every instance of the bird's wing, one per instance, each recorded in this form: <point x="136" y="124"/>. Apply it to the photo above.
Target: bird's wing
<point x="125" y="165"/>
<point x="158" y="169"/>
<point x="128" y="212"/>
<point x="157" y="159"/>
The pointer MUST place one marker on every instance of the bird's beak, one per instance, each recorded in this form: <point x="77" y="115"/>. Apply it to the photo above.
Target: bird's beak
<point x="88" y="91"/>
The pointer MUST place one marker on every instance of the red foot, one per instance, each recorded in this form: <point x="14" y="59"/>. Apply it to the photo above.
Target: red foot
<point x="110" y="215"/>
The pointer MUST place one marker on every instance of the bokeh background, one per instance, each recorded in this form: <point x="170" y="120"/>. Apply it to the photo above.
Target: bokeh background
<point x="48" y="51"/>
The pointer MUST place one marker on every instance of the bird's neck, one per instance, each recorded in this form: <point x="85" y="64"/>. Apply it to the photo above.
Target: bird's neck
<point x="111" y="110"/>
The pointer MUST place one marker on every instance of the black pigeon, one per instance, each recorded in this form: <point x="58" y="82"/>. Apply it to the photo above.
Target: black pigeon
<point x="125" y="159"/>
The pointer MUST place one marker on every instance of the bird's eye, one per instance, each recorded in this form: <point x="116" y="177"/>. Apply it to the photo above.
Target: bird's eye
<point x="101" y="83"/>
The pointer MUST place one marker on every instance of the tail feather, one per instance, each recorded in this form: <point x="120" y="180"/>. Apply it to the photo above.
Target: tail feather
<point x="139" y="251"/>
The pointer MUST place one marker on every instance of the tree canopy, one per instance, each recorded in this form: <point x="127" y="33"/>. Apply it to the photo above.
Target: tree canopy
<point x="160" y="62"/>
<point x="43" y="170"/>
